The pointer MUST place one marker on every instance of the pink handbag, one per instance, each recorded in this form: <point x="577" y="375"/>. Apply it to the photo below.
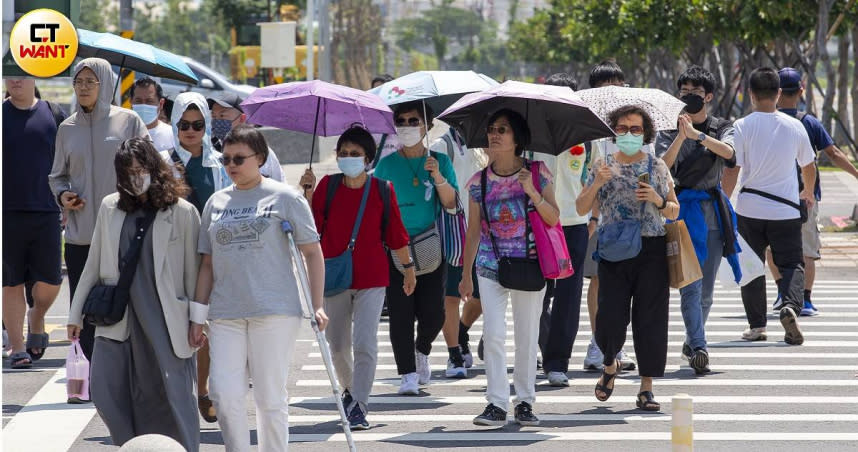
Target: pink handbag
<point x="554" y="259"/>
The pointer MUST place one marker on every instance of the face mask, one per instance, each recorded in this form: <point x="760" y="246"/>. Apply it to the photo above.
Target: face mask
<point x="148" y="113"/>
<point x="141" y="184"/>
<point x="693" y="103"/>
<point x="221" y="127"/>
<point x="629" y="144"/>
<point x="351" y="166"/>
<point x="409" y="136"/>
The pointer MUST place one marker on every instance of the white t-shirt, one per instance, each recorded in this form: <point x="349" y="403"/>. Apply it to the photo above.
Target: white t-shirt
<point x="271" y="169"/>
<point x="391" y="144"/>
<point x="162" y="136"/>
<point x="465" y="165"/>
<point x="767" y="147"/>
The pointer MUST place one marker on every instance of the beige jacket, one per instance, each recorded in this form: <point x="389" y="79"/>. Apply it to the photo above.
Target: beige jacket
<point x="174" y="238"/>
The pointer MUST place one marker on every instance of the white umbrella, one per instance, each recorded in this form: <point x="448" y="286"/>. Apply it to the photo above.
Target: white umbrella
<point x="438" y="89"/>
<point x="663" y="108"/>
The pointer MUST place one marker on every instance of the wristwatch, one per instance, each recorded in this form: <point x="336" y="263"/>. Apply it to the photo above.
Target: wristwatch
<point x="701" y="137"/>
<point x="408" y="265"/>
<point x="663" y="203"/>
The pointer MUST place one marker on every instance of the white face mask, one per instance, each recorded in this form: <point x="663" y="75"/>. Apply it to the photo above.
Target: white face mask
<point x="148" y="113"/>
<point x="140" y="184"/>
<point x="409" y="136"/>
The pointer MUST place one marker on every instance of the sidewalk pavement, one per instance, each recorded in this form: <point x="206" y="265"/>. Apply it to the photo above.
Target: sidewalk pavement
<point x="839" y="249"/>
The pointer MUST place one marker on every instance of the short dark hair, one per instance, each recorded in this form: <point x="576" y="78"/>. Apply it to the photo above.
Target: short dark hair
<point x="520" y="130"/>
<point x="164" y="189"/>
<point x="418" y="106"/>
<point x="606" y="71"/>
<point x="765" y="83"/>
<point x="359" y="136"/>
<point x="145" y="82"/>
<point x="697" y="76"/>
<point x="562" y="79"/>
<point x="648" y="126"/>
<point x="248" y="135"/>
<point x="383" y="78"/>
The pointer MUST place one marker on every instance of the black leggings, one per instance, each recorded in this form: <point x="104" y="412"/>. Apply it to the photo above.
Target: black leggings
<point x="75" y="261"/>
<point x="425" y="305"/>
<point x="639" y="285"/>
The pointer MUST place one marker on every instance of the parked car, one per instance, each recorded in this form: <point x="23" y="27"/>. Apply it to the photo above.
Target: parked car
<point x="211" y="83"/>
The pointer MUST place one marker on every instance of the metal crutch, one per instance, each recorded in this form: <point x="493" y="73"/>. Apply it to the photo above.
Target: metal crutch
<point x="304" y="282"/>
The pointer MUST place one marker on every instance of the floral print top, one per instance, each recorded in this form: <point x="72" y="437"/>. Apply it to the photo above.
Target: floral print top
<point x="506" y="204"/>
<point x="617" y="199"/>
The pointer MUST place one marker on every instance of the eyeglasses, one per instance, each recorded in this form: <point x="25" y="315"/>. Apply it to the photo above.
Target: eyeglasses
<point x="635" y="130"/>
<point x="500" y="130"/>
<point x="197" y="125"/>
<point x="413" y="122"/>
<point x="351" y="154"/>
<point x="238" y="159"/>
<point x="85" y="83"/>
<point x="698" y="91"/>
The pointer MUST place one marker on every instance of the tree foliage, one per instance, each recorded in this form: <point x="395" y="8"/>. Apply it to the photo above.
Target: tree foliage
<point x="441" y="27"/>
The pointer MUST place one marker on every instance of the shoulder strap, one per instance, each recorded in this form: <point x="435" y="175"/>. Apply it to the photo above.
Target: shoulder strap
<point x="57" y="112"/>
<point x="132" y="256"/>
<point x="378" y="150"/>
<point x="651" y="181"/>
<point x="334" y="181"/>
<point x="450" y="150"/>
<point x="770" y="196"/>
<point x="384" y="191"/>
<point x="483" y="183"/>
<point x="192" y="196"/>
<point x="359" y="219"/>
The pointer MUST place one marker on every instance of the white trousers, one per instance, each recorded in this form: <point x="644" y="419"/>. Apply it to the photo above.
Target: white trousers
<point x="526" y="310"/>
<point x="264" y="345"/>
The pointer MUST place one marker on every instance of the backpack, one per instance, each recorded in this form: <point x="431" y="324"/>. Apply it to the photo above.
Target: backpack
<point x="334" y="181"/>
<point x="816" y="190"/>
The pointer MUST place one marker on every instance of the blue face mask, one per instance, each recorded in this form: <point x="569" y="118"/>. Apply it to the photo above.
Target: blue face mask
<point x="351" y="166"/>
<point x="629" y="144"/>
<point x="148" y="113"/>
<point x="221" y="127"/>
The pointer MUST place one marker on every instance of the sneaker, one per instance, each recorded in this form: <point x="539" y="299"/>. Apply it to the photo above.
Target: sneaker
<point x="699" y="361"/>
<point x="357" y="419"/>
<point x="779" y="303"/>
<point x="809" y="310"/>
<point x="492" y="416"/>
<point x="456" y="370"/>
<point x="347" y="400"/>
<point x="467" y="356"/>
<point x="424" y="372"/>
<point x="480" y="350"/>
<point x="755" y="334"/>
<point x="556" y="379"/>
<point x="408" y="386"/>
<point x="686" y="352"/>
<point x="628" y="361"/>
<point x="594" y="358"/>
<point x="792" y="334"/>
<point x="524" y="415"/>
<point x="538" y="363"/>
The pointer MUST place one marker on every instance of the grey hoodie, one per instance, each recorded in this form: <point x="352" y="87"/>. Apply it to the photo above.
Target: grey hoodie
<point x="86" y="145"/>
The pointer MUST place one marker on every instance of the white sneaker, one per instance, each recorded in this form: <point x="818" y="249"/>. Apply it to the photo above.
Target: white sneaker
<point x="755" y="334"/>
<point x="594" y="358"/>
<point x="455" y="372"/>
<point x="408" y="386"/>
<point x="628" y="361"/>
<point x="558" y="379"/>
<point x="424" y="372"/>
<point x="469" y="360"/>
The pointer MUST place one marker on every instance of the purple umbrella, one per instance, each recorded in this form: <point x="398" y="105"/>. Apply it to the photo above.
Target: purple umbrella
<point x="557" y="117"/>
<point x="317" y="107"/>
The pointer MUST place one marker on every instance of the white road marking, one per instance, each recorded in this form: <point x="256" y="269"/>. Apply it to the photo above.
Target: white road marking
<point x="658" y="382"/>
<point x="608" y="436"/>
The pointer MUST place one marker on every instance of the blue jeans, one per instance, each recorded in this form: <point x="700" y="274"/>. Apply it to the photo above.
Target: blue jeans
<point x="696" y="298"/>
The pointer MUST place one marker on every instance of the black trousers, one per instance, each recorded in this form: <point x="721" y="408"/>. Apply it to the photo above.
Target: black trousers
<point x="425" y="305"/>
<point x="784" y="238"/>
<point x="639" y="285"/>
<point x="558" y="325"/>
<point x="75" y="261"/>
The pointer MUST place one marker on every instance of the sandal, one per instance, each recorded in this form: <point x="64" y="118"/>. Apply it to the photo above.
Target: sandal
<point x="20" y="360"/>
<point x="207" y="409"/>
<point x="37" y="341"/>
<point x="646" y="401"/>
<point x="604" y="380"/>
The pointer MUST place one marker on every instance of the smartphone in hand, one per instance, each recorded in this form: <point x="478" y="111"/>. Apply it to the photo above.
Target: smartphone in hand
<point x="644" y="178"/>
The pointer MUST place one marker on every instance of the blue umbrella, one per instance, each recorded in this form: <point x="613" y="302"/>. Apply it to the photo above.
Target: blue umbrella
<point x="134" y="55"/>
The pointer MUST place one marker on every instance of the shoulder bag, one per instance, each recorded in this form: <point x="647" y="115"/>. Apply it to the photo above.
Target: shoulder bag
<point x="338" y="270"/>
<point x="622" y="240"/>
<point x="551" y="247"/>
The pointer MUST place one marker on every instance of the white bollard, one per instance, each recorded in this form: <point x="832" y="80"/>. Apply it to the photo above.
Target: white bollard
<point x="682" y="431"/>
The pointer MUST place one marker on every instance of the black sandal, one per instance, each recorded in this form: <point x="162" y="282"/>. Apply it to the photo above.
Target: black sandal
<point x="646" y="401"/>
<point x="605" y="379"/>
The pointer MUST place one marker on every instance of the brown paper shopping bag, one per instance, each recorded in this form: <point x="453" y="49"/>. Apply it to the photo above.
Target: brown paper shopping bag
<point x="682" y="261"/>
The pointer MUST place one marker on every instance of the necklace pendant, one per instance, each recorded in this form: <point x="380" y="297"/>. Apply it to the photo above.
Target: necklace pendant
<point x="415" y="182"/>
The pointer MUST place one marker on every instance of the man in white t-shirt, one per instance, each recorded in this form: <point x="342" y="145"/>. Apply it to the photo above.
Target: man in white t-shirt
<point x="147" y="100"/>
<point x="768" y="144"/>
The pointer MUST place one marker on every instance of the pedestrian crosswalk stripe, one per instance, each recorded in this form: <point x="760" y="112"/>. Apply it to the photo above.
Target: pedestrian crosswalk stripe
<point x="590" y="400"/>
<point x="658" y="382"/>
<point x="669" y="368"/>
<point x="740" y="324"/>
<point x="607" y="417"/>
<point x="713" y="354"/>
<point x="608" y="436"/>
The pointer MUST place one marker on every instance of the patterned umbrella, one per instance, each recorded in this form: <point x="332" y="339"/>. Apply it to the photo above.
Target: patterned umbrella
<point x="663" y="108"/>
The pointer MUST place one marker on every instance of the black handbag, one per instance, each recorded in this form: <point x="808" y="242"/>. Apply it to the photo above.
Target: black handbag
<point x="105" y="305"/>
<point x="514" y="273"/>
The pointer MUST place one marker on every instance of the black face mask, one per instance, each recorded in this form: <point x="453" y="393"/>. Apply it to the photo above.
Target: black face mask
<point x="693" y="103"/>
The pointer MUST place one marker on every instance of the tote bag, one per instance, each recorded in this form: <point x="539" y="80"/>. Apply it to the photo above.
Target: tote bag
<point x="551" y="248"/>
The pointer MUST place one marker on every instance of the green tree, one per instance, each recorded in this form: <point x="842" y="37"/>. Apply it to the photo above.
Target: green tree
<point x="443" y="25"/>
<point x="97" y="15"/>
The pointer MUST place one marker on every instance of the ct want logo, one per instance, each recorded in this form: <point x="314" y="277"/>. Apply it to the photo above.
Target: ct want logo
<point x="43" y="42"/>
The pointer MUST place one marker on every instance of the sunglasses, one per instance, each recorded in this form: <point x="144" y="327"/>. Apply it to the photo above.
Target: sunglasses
<point x="500" y="130"/>
<point x="635" y="130"/>
<point x="197" y="125"/>
<point x="238" y="159"/>
<point x="413" y="122"/>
